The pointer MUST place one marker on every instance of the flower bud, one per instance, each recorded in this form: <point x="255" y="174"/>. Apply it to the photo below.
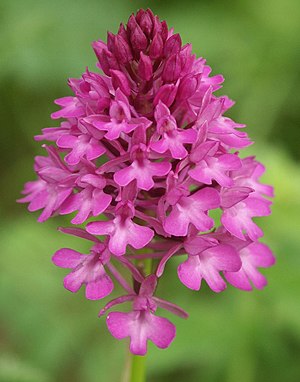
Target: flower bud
<point x="166" y="94"/>
<point x="164" y="30"/>
<point x="172" y="68"/>
<point x="122" y="31"/>
<point x="187" y="87"/>
<point x="160" y="28"/>
<point x="98" y="47"/>
<point x="156" y="47"/>
<point x="137" y="37"/>
<point x="187" y="59"/>
<point x="119" y="80"/>
<point x="145" y="20"/>
<point x="107" y="61"/>
<point x="145" y="67"/>
<point x="122" y="49"/>
<point x="111" y="42"/>
<point x="173" y="45"/>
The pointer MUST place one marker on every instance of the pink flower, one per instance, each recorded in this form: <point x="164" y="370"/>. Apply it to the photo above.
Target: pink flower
<point x="53" y="187"/>
<point x="87" y="270"/>
<point x="238" y="218"/>
<point x="248" y="176"/>
<point x="146" y="151"/>
<point x="206" y="262"/>
<point x="122" y="230"/>
<point x="192" y="210"/>
<point x="141" y="324"/>
<point x="71" y="107"/>
<point x="172" y="138"/>
<point x="141" y="169"/>
<point x="81" y="146"/>
<point x="119" y="119"/>
<point x="216" y="168"/>
<point x="91" y="200"/>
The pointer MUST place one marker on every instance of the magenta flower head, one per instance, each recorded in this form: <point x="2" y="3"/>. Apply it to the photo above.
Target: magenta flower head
<point x="145" y="149"/>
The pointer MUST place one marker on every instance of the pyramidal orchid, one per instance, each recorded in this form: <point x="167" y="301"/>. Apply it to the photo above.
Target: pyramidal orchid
<point x="145" y="149"/>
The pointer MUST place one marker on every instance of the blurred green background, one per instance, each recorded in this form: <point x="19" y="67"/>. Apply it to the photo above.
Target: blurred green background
<point x="48" y="334"/>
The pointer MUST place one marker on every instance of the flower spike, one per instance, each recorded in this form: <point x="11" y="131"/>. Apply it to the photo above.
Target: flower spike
<point x="143" y="155"/>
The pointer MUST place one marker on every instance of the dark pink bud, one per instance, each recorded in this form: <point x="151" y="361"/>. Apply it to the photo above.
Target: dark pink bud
<point x="172" y="68"/>
<point x="98" y="47"/>
<point x="139" y="15"/>
<point x="187" y="59"/>
<point x="166" y="94"/>
<point x="156" y="26"/>
<point x="173" y="45"/>
<point x="107" y="61"/>
<point x="122" y="31"/>
<point x="156" y="47"/>
<point x="164" y="30"/>
<point x="187" y="87"/>
<point x="131" y="24"/>
<point x="160" y="28"/>
<point x="137" y="37"/>
<point x="122" y="49"/>
<point x="119" y="80"/>
<point x="138" y="40"/>
<point x="145" y="67"/>
<point x="111" y="42"/>
<point x="145" y="20"/>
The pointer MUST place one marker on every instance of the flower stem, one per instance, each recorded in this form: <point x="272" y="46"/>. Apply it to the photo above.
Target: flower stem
<point x="138" y="368"/>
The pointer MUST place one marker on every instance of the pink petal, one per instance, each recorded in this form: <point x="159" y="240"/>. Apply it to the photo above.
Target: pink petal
<point x="99" y="288"/>
<point x="67" y="258"/>
<point x="207" y="198"/>
<point x="177" y="222"/>
<point x="100" y="228"/>
<point x="234" y="195"/>
<point x="177" y="149"/>
<point x="189" y="273"/>
<point x="115" y="129"/>
<point x="160" y="146"/>
<point x="160" y="331"/>
<point x="199" y="244"/>
<point x="66" y="141"/>
<point x="72" y="282"/>
<point x="71" y="108"/>
<point x="118" y="241"/>
<point x="124" y="176"/>
<point x="222" y="257"/>
<point x="139" y="236"/>
<point x="100" y="202"/>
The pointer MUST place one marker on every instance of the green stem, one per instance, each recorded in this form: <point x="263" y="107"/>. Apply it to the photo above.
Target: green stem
<point x="138" y="368"/>
<point x="147" y="266"/>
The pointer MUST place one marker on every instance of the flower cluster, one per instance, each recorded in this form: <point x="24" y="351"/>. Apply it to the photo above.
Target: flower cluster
<point x="145" y="148"/>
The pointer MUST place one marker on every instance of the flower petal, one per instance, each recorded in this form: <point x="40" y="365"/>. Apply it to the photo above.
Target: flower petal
<point x="99" y="288"/>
